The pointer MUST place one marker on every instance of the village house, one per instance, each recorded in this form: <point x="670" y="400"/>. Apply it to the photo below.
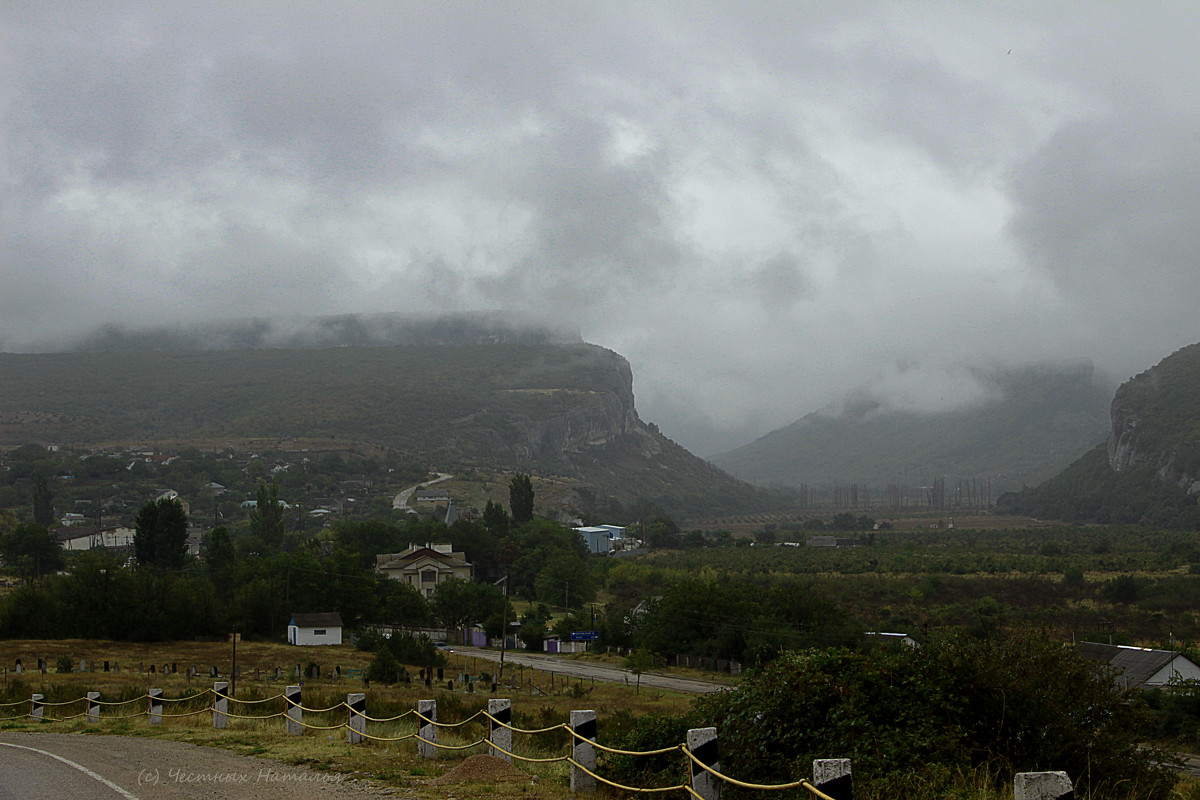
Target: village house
<point x="308" y="629"/>
<point x="424" y="567"/>
<point x="1142" y="667"/>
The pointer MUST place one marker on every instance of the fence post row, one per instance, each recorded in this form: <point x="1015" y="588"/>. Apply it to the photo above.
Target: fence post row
<point x="583" y="752"/>
<point x="498" y="735"/>
<point x="702" y="743"/>
<point x="220" y="704"/>
<point x="154" y="707"/>
<point x="357" y="703"/>
<point x="831" y="776"/>
<point x="1042" y="786"/>
<point x="295" y="716"/>
<point x="427" y="743"/>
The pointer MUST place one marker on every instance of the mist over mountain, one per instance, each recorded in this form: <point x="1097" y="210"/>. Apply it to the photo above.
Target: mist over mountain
<point x="1014" y="427"/>
<point x="459" y="393"/>
<point x="1148" y="470"/>
<point x="301" y="333"/>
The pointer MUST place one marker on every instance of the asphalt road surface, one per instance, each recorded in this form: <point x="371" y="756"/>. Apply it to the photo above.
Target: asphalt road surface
<point x="57" y="766"/>
<point x="583" y="669"/>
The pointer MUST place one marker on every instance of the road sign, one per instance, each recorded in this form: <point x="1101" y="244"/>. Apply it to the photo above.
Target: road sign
<point x="584" y="636"/>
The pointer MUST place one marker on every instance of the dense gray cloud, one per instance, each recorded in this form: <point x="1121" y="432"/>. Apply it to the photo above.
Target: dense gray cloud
<point x="767" y="207"/>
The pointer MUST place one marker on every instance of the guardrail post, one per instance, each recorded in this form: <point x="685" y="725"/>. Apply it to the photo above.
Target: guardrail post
<point x="220" y="704"/>
<point x="499" y="736"/>
<point x="1042" y="786"/>
<point x="702" y="743"/>
<point x="357" y="703"/>
<point x="93" y="708"/>
<point x="583" y="752"/>
<point x="36" y="708"/>
<point x="833" y="777"/>
<point x="427" y="744"/>
<point x="295" y="716"/>
<point x="154" y="707"/>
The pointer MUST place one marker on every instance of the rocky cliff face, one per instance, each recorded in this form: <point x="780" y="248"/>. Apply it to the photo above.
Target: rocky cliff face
<point x="1156" y="421"/>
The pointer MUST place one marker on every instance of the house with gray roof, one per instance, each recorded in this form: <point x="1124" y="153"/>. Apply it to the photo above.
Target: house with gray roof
<point x="1142" y="667"/>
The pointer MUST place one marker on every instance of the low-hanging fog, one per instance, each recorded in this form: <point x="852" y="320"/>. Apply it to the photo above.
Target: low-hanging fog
<point x="764" y="206"/>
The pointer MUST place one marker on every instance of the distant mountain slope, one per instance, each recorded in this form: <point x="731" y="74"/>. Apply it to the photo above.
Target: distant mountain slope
<point x="558" y="409"/>
<point x="1149" y="470"/>
<point x="1040" y="419"/>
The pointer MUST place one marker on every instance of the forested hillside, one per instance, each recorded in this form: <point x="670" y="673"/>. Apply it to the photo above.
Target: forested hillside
<point x="555" y="409"/>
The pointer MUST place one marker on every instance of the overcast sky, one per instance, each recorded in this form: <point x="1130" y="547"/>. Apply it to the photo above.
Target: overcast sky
<point x="762" y="205"/>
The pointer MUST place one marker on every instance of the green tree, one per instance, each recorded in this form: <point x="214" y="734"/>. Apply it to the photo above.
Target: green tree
<point x="219" y="557"/>
<point x="520" y="498"/>
<point x="160" y="534"/>
<point x="637" y="662"/>
<point x="266" y="518"/>
<point x="43" y="502"/>
<point x="458" y="603"/>
<point x="31" y="549"/>
<point x="495" y="519"/>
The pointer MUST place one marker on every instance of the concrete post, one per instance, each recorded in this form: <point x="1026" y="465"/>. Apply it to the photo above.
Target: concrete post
<point x="36" y="709"/>
<point x="832" y="776"/>
<point x="93" y="708"/>
<point x="427" y="744"/>
<point x="357" y="703"/>
<point x="583" y="752"/>
<point x="154" y="709"/>
<point x="702" y="742"/>
<point x="220" y="704"/>
<point x="1042" y="786"/>
<point x="498" y="735"/>
<point x="291" y="697"/>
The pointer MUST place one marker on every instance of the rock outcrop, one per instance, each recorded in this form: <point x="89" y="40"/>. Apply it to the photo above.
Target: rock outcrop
<point x="1156" y="421"/>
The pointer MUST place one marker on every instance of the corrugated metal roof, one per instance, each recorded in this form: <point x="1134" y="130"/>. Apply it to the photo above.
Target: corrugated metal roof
<point x="1135" y="665"/>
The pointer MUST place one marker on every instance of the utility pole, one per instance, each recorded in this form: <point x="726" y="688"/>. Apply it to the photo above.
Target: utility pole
<point x="504" y="632"/>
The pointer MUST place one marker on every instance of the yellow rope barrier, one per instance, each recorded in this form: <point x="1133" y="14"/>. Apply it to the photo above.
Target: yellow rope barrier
<point x="119" y="702"/>
<point x="248" y="702"/>
<point x="406" y="736"/>
<point x="259" y="716"/>
<point x="317" y="710"/>
<point x="522" y="730"/>
<point x="575" y="763"/>
<point x="801" y="784"/>
<point x="188" y="714"/>
<point x="615" y="751"/>
<point x="304" y="724"/>
<point x="385" y="719"/>
<point x="763" y="786"/>
<point x="440" y="746"/>
<point x="185" y="699"/>
<point x="524" y="758"/>
<point x="448" y="724"/>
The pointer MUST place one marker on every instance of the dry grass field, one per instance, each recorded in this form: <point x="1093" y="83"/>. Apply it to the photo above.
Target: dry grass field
<point x="542" y="701"/>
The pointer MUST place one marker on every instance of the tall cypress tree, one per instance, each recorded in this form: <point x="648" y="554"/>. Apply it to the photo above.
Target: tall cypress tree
<point x="520" y="498"/>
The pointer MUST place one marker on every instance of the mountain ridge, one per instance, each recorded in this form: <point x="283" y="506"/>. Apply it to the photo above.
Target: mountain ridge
<point x="1031" y="423"/>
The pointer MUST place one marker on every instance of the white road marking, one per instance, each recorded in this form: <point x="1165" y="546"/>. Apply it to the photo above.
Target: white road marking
<point x="80" y="767"/>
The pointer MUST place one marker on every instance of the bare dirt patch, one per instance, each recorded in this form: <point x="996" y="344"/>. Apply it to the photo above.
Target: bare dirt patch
<point x="481" y="769"/>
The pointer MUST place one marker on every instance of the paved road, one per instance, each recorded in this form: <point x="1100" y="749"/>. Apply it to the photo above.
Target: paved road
<point x="583" y="669"/>
<point x="401" y="500"/>
<point x="58" y="766"/>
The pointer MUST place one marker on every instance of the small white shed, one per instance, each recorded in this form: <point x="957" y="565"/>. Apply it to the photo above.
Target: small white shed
<point x="305" y="629"/>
